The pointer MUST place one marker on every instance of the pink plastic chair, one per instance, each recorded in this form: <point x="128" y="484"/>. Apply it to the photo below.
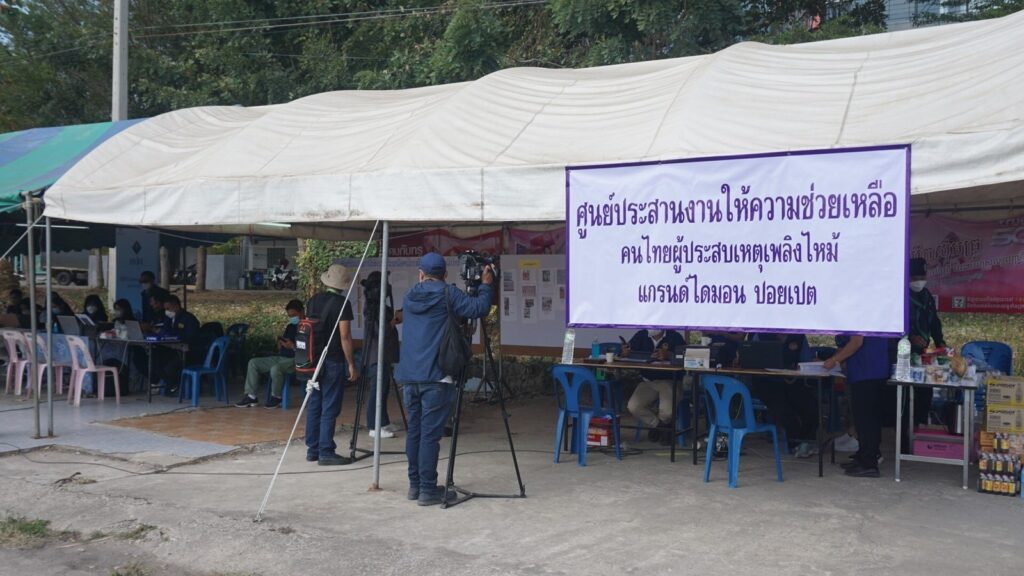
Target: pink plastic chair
<point x="84" y="365"/>
<point x="14" y="341"/>
<point x="45" y="363"/>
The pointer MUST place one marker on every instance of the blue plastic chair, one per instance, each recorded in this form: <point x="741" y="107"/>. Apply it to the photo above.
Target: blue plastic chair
<point x="574" y="380"/>
<point x="996" y="354"/>
<point x="720" y="392"/>
<point x="214" y="366"/>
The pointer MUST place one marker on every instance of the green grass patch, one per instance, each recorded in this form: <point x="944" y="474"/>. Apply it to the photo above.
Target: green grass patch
<point x="137" y="533"/>
<point x="20" y="532"/>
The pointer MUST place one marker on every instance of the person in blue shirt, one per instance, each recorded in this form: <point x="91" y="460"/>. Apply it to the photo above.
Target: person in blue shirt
<point x="180" y="325"/>
<point x="428" y="392"/>
<point x="651" y="402"/>
<point x="866" y="365"/>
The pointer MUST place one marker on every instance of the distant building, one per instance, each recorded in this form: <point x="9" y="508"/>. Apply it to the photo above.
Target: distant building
<point x="901" y="14"/>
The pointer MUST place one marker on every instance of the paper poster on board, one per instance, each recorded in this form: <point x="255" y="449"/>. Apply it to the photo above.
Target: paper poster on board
<point x="810" y="242"/>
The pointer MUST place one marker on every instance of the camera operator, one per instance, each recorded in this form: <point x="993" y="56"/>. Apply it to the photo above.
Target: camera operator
<point x="372" y="293"/>
<point x="428" y="392"/>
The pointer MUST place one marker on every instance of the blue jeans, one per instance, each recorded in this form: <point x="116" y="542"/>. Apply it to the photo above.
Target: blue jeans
<point x="427" y="405"/>
<point x="371" y="402"/>
<point x="324" y="407"/>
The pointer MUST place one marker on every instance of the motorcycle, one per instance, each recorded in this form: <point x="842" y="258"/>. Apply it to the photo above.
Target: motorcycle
<point x="184" y="277"/>
<point x="282" y="279"/>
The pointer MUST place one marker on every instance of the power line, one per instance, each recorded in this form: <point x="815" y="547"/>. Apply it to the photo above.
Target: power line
<point x="339" y="19"/>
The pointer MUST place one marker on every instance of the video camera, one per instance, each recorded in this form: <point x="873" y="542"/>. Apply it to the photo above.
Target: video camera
<point x="472" y="264"/>
<point x="372" y="290"/>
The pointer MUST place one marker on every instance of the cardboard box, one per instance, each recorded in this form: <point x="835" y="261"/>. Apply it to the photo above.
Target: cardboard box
<point x="600" y="432"/>
<point x="1005" y="391"/>
<point x="697" y="358"/>
<point x="1004" y="419"/>
<point x="1015" y="442"/>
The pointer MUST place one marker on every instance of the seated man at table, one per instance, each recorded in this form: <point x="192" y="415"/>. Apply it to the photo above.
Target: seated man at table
<point x="729" y="346"/>
<point x="277" y="366"/>
<point x="655" y="388"/>
<point x="791" y="403"/>
<point x="182" y="326"/>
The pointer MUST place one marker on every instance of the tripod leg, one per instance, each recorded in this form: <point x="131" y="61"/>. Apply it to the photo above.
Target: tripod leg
<point x="508" y="432"/>
<point x="360" y="398"/>
<point x="452" y="450"/>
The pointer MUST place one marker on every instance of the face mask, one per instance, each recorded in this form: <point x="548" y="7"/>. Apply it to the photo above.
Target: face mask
<point x="92" y="309"/>
<point x="293" y="320"/>
<point x="918" y="285"/>
<point x="169" y="314"/>
<point x="118" y="314"/>
<point x="146" y="286"/>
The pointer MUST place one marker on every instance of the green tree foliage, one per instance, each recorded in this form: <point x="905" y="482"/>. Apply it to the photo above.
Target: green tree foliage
<point x="318" y="255"/>
<point x="931" y="12"/>
<point x="55" y="54"/>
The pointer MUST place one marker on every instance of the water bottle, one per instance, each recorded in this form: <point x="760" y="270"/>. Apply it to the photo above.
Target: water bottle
<point x="903" y="359"/>
<point x="595" y="349"/>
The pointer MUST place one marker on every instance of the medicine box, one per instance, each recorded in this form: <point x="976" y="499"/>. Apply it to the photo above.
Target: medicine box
<point x="1005" y="419"/>
<point x="1005" y="391"/>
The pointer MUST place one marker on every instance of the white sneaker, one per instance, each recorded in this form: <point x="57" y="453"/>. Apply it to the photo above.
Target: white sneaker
<point x="846" y="443"/>
<point x="390" y="428"/>
<point x="806" y="450"/>
<point x="384" y="433"/>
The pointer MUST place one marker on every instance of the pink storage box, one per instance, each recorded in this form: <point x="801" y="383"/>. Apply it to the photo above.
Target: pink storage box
<point x="939" y="448"/>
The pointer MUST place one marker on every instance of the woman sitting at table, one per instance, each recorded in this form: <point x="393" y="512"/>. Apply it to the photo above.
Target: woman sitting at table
<point x="93" y="308"/>
<point x="654" y="389"/>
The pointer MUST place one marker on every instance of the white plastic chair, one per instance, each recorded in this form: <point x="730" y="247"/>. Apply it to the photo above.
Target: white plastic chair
<point x="14" y="341"/>
<point x="45" y="364"/>
<point x="84" y="365"/>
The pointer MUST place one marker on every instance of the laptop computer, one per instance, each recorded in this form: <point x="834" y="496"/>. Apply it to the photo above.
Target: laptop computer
<point x="761" y="355"/>
<point x="69" y="325"/>
<point x="133" y="330"/>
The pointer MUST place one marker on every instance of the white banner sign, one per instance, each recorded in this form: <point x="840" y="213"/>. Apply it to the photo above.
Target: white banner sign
<point x="811" y="242"/>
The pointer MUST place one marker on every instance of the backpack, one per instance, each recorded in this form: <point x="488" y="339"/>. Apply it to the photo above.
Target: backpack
<point x="312" y="334"/>
<point x="454" y="353"/>
<point x="306" y="352"/>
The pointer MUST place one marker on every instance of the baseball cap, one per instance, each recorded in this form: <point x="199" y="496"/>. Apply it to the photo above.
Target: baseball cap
<point x="433" y="264"/>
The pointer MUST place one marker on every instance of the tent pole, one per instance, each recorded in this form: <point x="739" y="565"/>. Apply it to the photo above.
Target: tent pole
<point x="49" y="332"/>
<point x="381" y="340"/>
<point x="30" y="277"/>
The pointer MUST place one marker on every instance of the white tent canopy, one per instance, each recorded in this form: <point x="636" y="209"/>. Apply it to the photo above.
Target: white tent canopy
<point x="494" y="150"/>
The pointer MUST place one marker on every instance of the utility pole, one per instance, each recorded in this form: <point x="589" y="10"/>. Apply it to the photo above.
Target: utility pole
<point x="119" y="96"/>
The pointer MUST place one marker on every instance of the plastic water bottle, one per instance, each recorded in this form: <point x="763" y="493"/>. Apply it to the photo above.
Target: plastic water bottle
<point x="595" y="349"/>
<point x="903" y="359"/>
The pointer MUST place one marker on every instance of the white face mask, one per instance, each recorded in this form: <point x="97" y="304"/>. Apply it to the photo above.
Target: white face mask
<point x="118" y="314"/>
<point x="918" y="285"/>
<point x="92" y="309"/>
<point x="146" y="285"/>
<point x="169" y="314"/>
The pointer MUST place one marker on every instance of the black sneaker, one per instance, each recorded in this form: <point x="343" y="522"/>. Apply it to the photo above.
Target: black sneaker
<point x="247" y="401"/>
<point x="863" y="471"/>
<point x="436" y="497"/>
<point x="312" y="457"/>
<point x="414" y="493"/>
<point x="334" y="460"/>
<point x="274" y="402"/>
<point x="654" y="435"/>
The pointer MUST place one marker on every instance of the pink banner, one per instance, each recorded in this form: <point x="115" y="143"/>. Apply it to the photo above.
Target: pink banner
<point x="972" y="266"/>
<point x="531" y="242"/>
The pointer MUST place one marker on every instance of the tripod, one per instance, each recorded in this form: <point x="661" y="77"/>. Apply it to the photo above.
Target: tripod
<point x="361" y="392"/>
<point x="499" y="391"/>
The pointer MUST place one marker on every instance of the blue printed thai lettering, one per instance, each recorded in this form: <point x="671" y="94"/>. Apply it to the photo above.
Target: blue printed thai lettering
<point x="646" y="293"/>
<point x="715" y="208"/>
<point x="619" y="212"/>
<point x="581" y="214"/>
<point x="835" y="206"/>
<point x="807" y="242"/>
<point x="874" y="204"/>
<point x="728" y="201"/>
<point x="807" y="205"/>
<point x="633" y="212"/>
<point x="822" y="203"/>
<point x="757" y="209"/>
<point x="891" y="202"/>
<point x="860" y="204"/>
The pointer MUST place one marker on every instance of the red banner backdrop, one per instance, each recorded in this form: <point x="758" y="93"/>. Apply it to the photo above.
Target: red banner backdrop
<point x="972" y="266"/>
<point x="448" y="244"/>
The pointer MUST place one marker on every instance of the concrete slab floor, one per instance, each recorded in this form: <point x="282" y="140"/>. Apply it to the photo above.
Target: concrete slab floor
<point x="643" y="515"/>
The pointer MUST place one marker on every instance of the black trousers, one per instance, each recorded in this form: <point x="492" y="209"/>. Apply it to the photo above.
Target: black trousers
<point x="792" y="406"/>
<point x="867" y="418"/>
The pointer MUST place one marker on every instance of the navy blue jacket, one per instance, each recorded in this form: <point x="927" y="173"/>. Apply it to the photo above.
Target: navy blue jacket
<point x="643" y="343"/>
<point x="424" y="313"/>
<point x="184" y="327"/>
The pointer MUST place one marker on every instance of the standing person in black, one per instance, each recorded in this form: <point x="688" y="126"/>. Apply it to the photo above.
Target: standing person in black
<point x="391" y="348"/>
<point x="325" y="402"/>
<point x="792" y="404"/>
<point x="151" y="291"/>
